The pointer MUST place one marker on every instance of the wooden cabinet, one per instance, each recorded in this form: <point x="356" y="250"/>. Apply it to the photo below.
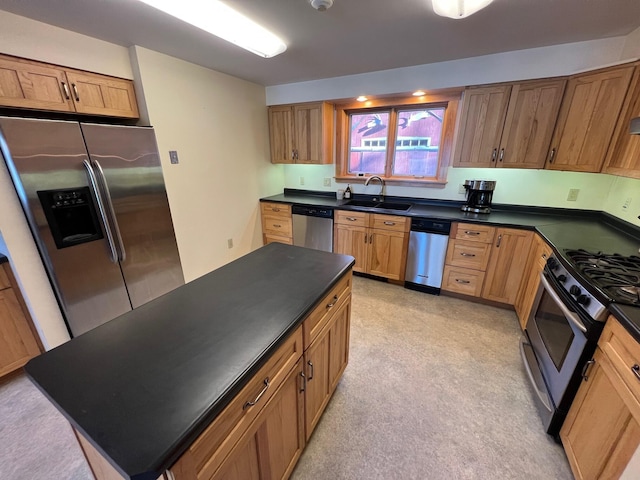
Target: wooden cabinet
<point x="18" y="339"/>
<point x="301" y="133"/>
<point x="587" y="118"/>
<point x="623" y="157"/>
<point x="467" y="258"/>
<point x="506" y="265"/>
<point x="40" y="86"/>
<point x="277" y="225"/>
<point x="508" y="126"/>
<point x="602" y="429"/>
<point x="538" y="255"/>
<point x="378" y="242"/>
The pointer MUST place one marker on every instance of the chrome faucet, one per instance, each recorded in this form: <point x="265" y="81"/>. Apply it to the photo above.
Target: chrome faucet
<point x="381" y="194"/>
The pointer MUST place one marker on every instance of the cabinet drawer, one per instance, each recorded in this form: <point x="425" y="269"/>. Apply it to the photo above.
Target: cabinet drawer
<point x="390" y="222"/>
<point x="624" y="353"/>
<point x="323" y="311"/>
<point x="344" y="217"/>
<point x="277" y="238"/>
<point x="472" y="233"/>
<point x="462" y="253"/>
<point x="462" y="280"/>
<point x="4" y="279"/>
<point x="278" y="226"/>
<point x="214" y="444"/>
<point x="275" y="209"/>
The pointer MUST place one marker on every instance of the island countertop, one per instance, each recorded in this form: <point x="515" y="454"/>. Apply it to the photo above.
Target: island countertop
<point x="142" y="387"/>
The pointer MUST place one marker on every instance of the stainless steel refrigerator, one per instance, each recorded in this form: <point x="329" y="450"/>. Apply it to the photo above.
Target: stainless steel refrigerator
<point x="95" y="199"/>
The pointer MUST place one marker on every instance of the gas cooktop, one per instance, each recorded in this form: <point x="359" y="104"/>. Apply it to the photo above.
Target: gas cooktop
<point x="616" y="275"/>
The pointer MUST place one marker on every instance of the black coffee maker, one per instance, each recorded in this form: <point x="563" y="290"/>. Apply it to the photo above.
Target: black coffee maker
<point x="479" y="194"/>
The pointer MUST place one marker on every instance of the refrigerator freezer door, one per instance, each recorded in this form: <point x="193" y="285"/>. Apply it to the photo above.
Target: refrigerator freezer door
<point x="127" y="160"/>
<point x="45" y="159"/>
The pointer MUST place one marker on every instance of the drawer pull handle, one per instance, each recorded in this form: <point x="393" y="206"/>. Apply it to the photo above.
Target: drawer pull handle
<point x="467" y="254"/>
<point x="351" y="219"/>
<point x="277" y="225"/>
<point x="552" y="154"/>
<point x="303" y="384"/>
<point x="335" y="300"/>
<point x="66" y="91"/>
<point x="462" y="281"/>
<point x="585" y="368"/>
<point x="390" y="223"/>
<point x="75" y="92"/>
<point x="310" y="363"/>
<point x="365" y="238"/>
<point x="494" y="154"/>
<point x="371" y="238"/>
<point x="257" y="399"/>
<point x="636" y="370"/>
<point x="469" y="232"/>
<point x="275" y="209"/>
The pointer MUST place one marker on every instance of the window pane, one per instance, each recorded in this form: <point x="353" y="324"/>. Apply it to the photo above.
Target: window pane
<point x="368" y="142"/>
<point x="417" y="142"/>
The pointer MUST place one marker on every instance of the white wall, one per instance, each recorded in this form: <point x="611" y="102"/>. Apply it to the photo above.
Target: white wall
<point x="631" y="48"/>
<point x="218" y="125"/>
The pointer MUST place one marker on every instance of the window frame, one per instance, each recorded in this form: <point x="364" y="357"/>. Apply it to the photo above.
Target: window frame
<point x="449" y="99"/>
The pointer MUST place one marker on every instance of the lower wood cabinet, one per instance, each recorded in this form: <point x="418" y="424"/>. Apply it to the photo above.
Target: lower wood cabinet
<point x="538" y="255"/>
<point x="277" y="224"/>
<point x="602" y="430"/>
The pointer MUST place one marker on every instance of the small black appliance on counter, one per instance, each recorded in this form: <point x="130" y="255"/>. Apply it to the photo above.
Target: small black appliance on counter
<point x="479" y="195"/>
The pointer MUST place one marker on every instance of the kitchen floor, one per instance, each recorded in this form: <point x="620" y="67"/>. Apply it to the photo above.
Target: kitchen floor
<point x="434" y="389"/>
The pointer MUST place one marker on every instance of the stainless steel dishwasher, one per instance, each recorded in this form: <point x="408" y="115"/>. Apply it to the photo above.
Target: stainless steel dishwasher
<point x="428" y="242"/>
<point x="312" y="227"/>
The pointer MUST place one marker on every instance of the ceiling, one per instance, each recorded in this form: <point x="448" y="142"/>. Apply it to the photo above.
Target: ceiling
<point x="353" y="36"/>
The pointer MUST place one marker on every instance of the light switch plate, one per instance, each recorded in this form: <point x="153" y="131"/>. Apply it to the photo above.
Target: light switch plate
<point x="173" y="156"/>
<point x="573" y="194"/>
<point x="327" y="181"/>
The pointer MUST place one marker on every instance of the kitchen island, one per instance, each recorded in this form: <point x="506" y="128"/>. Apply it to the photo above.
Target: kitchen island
<point x="140" y="390"/>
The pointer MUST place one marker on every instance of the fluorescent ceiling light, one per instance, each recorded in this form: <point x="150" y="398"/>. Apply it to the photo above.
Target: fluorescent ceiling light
<point x="458" y="8"/>
<point x="218" y="19"/>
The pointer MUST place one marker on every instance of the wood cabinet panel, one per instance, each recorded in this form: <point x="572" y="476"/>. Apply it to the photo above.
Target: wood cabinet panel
<point x="344" y="217"/>
<point x="506" y="265"/>
<point x="102" y="95"/>
<point x="390" y="222"/>
<point x="466" y="254"/>
<point x="317" y="320"/>
<point x="528" y="127"/>
<point x="351" y="240"/>
<point x="388" y="253"/>
<point x="243" y="463"/>
<point x="281" y="134"/>
<point x="277" y="238"/>
<point x="275" y="209"/>
<point x="4" y="279"/>
<point x="587" y="118"/>
<point x="483" y="114"/>
<point x="462" y="280"/>
<point x="472" y="232"/>
<point x="277" y="223"/>
<point x="538" y="254"/>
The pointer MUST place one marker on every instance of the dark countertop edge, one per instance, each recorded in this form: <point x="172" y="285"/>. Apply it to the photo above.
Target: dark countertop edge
<point x="201" y="424"/>
<point x="629" y="317"/>
<point x="3" y="259"/>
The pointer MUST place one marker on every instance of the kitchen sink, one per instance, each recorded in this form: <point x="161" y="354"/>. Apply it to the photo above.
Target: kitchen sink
<point x="376" y="204"/>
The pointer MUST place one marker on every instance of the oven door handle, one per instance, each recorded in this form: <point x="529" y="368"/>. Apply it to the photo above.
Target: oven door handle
<point x="571" y="316"/>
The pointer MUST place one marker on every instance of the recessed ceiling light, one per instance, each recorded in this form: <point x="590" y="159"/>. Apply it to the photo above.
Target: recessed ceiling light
<point x="362" y="98"/>
<point x="418" y="93"/>
<point x="222" y="21"/>
<point x="458" y="8"/>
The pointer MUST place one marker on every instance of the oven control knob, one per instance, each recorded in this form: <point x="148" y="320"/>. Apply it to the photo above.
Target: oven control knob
<point x="553" y="263"/>
<point x="575" y="290"/>
<point x="562" y="278"/>
<point x="583" y="300"/>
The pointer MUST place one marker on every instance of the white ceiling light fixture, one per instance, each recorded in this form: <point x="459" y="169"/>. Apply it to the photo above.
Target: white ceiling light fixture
<point x="458" y="8"/>
<point x="321" y="5"/>
<point x="222" y="21"/>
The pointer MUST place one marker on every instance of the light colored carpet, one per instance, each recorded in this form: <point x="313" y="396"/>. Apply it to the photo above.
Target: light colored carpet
<point x="434" y="390"/>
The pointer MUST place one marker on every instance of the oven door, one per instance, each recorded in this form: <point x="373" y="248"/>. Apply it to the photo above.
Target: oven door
<point x="557" y="333"/>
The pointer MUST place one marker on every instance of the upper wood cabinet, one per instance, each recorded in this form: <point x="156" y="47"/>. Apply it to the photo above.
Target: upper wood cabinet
<point x="587" y="119"/>
<point x="301" y="133"/>
<point x="624" y="152"/>
<point x="40" y="86"/>
<point x="508" y="126"/>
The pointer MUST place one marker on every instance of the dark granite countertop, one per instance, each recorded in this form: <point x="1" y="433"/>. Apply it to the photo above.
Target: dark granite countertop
<point x="142" y="387"/>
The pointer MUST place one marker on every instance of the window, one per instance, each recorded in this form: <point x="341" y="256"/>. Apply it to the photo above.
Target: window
<point x="406" y="141"/>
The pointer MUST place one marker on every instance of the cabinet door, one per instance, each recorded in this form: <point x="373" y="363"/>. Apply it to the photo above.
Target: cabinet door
<point x="339" y="345"/>
<point x="506" y="265"/>
<point x="352" y="240"/>
<point x="312" y="140"/>
<point x="624" y="154"/>
<point x="387" y="253"/>
<point x="602" y="429"/>
<point x="17" y="343"/>
<point x="483" y="115"/>
<point x="316" y="360"/>
<point x="29" y="85"/>
<point x="538" y="255"/>
<point x="242" y="463"/>
<point x="587" y="118"/>
<point x="281" y="134"/>
<point x="102" y="95"/>
<point x="531" y="118"/>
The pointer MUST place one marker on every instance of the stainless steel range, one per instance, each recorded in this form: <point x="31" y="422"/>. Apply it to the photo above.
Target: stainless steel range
<point x="566" y="321"/>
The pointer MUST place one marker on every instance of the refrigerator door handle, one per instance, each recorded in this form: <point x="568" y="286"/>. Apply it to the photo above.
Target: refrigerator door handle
<point x="122" y="255"/>
<point x="103" y="214"/>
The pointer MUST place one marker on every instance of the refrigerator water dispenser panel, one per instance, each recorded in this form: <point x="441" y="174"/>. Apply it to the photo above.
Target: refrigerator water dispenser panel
<point x="71" y="216"/>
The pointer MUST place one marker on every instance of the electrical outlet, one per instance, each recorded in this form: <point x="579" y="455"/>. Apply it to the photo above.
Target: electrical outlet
<point x="327" y="181"/>
<point x="173" y="157"/>
<point x="627" y="203"/>
<point x="573" y="194"/>
<point x="461" y="189"/>
<point x="230" y="243"/>
<point x="301" y="180"/>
